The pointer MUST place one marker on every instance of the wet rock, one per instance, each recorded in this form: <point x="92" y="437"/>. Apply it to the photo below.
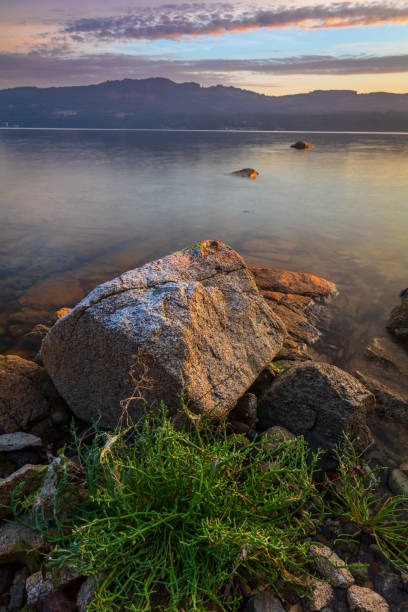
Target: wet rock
<point x="391" y="403"/>
<point x="246" y="173"/>
<point x="301" y="145"/>
<point x="298" y="299"/>
<point x="245" y="410"/>
<point x="25" y="393"/>
<point x="398" y="482"/>
<point x="194" y="317"/>
<point x="398" y="321"/>
<point x="387" y="354"/>
<point x="32" y="339"/>
<point x="321" y="596"/>
<point x="361" y="599"/>
<point x="265" y="602"/>
<point x="29" y="477"/>
<point x="319" y="398"/>
<point x="85" y="594"/>
<point x="16" y="540"/>
<point x="18" y="440"/>
<point x="330" y="566"/>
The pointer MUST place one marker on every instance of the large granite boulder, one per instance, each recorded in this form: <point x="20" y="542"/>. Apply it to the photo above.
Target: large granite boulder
<point x="300" y="301"/>
<point x="320" y="399"/>
<point x="193" y="318"/>
<point x="25" y="393"/>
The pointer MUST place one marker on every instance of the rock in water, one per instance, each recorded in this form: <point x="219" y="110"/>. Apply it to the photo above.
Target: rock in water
<point x="300" y="144"/>
<point x="398" y="322"/>
<point x="246" y="173"/>
<point x="193" y="318"/>
<point x="317" y="398"/>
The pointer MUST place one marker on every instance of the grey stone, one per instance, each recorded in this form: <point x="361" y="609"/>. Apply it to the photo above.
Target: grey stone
<point x="265" y="602"/>
<point x="330" y="566"/>
<point x="398" y="482"/>
<point x="40" y="585"/>
<point x="317" y="397"/>
<point x="37" y="587"/>
<point x="25" y="393"/>
<point x="193" y="318"/>
<point x="18" y="440"/>
<point x="85" y="594"/>
<point x="361" y="599"/>
<point x="16" y="540"/>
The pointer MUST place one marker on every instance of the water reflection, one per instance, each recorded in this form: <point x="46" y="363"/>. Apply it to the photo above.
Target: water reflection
<point x="79" y="207"/>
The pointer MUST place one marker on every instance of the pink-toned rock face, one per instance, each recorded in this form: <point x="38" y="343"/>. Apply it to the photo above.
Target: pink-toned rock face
<point x="194" y="318"/>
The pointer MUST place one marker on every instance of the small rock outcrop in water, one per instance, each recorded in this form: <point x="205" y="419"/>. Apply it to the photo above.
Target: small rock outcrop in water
<point x="320" y="399"/>
<point x="194" y="317"/>
<point x="300" y="144"/>
<point x="398" y="322"/>
<point x="246" y="173"/>
<point x="299" y="300"/>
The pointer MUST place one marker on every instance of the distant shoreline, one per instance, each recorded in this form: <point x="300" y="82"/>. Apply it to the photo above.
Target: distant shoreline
<point x="86" y="129"/>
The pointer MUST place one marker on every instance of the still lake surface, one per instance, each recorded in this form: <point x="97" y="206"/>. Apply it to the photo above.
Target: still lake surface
<point x="79" y="207"/>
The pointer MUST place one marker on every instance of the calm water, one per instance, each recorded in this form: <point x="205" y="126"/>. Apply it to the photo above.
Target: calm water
<point x="78" y="207"/>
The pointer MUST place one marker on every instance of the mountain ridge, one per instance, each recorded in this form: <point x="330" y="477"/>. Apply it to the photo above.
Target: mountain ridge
<point x="162" y="103"/>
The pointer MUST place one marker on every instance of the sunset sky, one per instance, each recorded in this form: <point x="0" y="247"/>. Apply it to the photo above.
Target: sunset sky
<point x="270" y="47"/>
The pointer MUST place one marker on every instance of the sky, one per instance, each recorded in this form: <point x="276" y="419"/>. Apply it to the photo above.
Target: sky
<point x="274" y="48"/>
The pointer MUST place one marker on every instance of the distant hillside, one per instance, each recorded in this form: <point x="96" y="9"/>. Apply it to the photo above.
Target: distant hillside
<point x="161" y="103"/>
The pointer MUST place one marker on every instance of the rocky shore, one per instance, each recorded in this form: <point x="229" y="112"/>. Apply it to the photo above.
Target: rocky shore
<point x="239" y="344"/>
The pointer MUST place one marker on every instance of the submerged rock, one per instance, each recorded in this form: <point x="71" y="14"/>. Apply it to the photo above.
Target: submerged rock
<point x="193" y="318"/>
<point x="398" y="321"/>
<point x="299" y="300"/>
<point x="318" y="398"/>
<point x="246" y="173"/>
<point x="300" y="144"/>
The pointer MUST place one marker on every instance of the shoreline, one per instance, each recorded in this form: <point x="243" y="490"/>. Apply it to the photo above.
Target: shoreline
<point x="223" y="131"/>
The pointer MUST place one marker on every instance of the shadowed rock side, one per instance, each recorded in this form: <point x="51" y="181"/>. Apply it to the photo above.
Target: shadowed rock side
<point x="194" y="317"/>
<point x="246" y="173"/>
<point x="301" y="145"/>
<point x="299" y="300"/>
<point x="318" y="399"/>
<point x="383" y="368"/>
